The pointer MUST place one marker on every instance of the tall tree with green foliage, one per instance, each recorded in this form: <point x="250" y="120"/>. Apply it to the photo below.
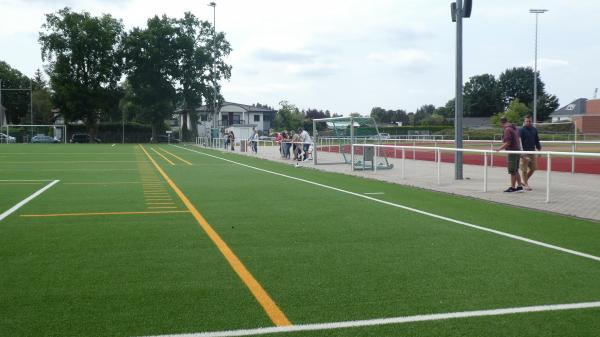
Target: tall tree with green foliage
<point x="84" y="63"/>
<point x="16" y="102"/>
<point x="517" y="83"/>
<point x="515" y="113"/>
<point x="42" y="99"/>
<point x="152" y="64"/>
<point x="482" y="96"/>
<point x="202" y="54"/>
<point x="288" y="117"/>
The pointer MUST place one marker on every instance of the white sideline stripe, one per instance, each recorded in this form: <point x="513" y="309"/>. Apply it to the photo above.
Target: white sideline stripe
<point x="512" y="236"/>
<point x="374" y="193"/>
<point x="26" y="200"/>
<point x="17" y="180"/>
<point x="391" y="320"/>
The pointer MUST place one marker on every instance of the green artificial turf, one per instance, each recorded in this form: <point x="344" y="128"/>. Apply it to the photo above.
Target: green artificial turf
<point x="322" y="255"/>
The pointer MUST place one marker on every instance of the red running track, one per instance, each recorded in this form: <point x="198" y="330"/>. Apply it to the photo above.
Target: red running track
<point x="559" y="164"/>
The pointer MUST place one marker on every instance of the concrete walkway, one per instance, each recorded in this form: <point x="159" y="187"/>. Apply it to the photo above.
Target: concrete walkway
<point x="570" y="194"/>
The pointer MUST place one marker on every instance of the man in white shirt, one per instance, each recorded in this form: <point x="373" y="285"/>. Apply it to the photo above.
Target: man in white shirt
<point x="306" y="141"/>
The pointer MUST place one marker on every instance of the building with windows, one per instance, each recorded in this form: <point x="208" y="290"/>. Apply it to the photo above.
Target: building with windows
<point x="585" y="113"/>
<point x="235" y="115"/>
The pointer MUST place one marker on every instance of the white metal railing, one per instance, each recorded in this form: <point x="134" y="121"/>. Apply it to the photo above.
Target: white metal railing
<point x="333" y="141"/>
<point x="486" y="153"/>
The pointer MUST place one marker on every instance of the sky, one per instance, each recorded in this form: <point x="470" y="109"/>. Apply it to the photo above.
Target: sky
<point x="349" y="56"/>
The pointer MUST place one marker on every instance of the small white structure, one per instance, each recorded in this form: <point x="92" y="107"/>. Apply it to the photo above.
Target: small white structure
<point x="236" y="115"/>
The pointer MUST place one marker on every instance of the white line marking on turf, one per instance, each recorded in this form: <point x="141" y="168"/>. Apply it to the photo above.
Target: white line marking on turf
<point x="391" y="320"/>
<point x="374" y="193"/>
<point x="508" y="235"/>
<point x="26" y="200"/>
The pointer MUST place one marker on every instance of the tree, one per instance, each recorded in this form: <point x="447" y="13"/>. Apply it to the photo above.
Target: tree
<point x="16" y="102"/>
<point x="288" y="117"/>
<point x="482" y="96"/>
<point x="547" y="104"/>
<point x="515" y="113"/>
<point x="423" y="113"/>
<point x="447" y="110"/>
<point x="516" y="83"/>
<point x="84" y="63"/>
<point x="42" y="99"/>
<point x="202" y="56"/>
<point x="152" y="65"/>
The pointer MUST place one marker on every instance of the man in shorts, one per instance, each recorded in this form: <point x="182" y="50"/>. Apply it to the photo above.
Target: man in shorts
<point x="530" y="142"/>
<point x="510" y="141"/>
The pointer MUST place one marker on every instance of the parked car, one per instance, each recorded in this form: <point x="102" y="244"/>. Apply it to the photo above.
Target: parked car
<point x="4" y="138"/>
<point x="43" y="139"/>
<point x="83" y="138"/>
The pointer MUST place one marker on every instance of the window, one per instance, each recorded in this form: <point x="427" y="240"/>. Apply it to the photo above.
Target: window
<point x="203" y="118"/>
<point x="257" y="118"/>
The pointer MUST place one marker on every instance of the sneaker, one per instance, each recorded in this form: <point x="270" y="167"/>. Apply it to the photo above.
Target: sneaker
<point x="510" y="190"/>
<point x="527" y="188"/>
<point x="519" y="189"/>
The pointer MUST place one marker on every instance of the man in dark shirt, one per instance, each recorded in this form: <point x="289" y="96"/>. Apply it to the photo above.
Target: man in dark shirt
<point x="530" y="142"/>
<point x="510" y="141"/>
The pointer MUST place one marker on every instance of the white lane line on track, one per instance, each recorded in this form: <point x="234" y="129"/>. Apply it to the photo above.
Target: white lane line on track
<point x="489" y="230"/>
<point x="391" y="320"/>
<point x="26" y="200"/>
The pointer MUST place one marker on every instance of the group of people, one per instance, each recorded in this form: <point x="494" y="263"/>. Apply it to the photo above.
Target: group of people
<point x="297" y="143"/>
<point x="229" y="137"/>
<point x="524" y="139"/>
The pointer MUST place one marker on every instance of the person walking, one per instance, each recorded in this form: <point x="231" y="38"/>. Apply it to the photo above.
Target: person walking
<point x="254" y="141"/>
<point x="510" y="139"/>
<point x="232" y="140"/>
<point x="530" y="141"/>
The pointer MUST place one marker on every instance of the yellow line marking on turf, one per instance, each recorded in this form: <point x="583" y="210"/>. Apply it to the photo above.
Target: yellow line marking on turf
<point x="261" y="295"/>
<point x="160" y="203"/>
<point x="160" y="207"/>
<point x="99" y="213"/>
<point x="183" y="160"/>
<point x="160" y="154"/>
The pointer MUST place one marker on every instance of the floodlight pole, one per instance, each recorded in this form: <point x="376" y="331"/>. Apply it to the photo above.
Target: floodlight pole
<point x="214" y="6"/>
<point x="458" y="108"/>
<point x="537" y="12"/>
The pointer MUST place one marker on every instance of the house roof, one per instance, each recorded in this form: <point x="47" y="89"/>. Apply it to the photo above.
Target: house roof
<point x="248" y="108"/>
<point x="577" y="107"/>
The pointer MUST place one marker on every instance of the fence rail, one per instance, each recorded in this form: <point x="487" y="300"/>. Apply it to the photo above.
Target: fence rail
<point x="486" y="154"/>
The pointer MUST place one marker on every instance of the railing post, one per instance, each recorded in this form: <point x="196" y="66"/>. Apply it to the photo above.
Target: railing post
<point x="403" y="157"/>
<point x="414" y="144"/>
<point x="492" y="153"/>
<point x="374" y="158"/>
<point x="573" y="148"/>
<point x="485" y="172"/>
<point x="548" y="170"/>
<point x="437" y="151"/>
<point x="352" y="156"/>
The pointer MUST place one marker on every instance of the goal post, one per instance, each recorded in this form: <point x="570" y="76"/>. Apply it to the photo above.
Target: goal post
<point x="333" y="139"/>
<point x="42" y="133"/>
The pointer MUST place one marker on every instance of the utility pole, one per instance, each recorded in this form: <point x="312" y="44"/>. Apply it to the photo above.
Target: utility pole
<point x="537" y="12"/>
<point x="214" y="6"/>
<point x="458" y="11"/>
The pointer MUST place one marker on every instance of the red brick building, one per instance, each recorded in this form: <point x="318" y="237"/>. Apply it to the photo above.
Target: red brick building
<point x="585" y="113"/>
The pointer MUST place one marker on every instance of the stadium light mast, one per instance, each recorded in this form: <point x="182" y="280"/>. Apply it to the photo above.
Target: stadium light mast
<point x="214" y="6"/>
<point x="458" y="11"/>
<point x="537" y="12"/>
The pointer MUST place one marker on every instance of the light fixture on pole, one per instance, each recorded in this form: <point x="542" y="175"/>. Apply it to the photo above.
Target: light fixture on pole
<point x="458" y="11"/>
<point x="214" y="6"/>
<point x="537" y="12"/>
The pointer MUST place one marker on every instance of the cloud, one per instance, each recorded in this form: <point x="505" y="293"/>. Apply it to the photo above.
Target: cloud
<point x="546" y="63"/>
<point x="283" y="56"/>
<point x="407" y="58"/>
<point x="317" y="69"/>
